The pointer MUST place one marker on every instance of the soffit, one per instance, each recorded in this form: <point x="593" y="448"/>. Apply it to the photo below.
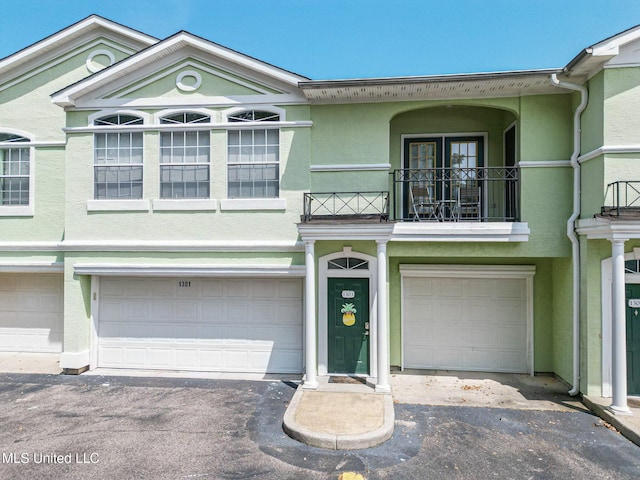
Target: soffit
<point x="482" y="85"/>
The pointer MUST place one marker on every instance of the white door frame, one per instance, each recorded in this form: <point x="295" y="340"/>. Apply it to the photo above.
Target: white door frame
<point x="606" y="279"/>
<point x="323" y="330"/>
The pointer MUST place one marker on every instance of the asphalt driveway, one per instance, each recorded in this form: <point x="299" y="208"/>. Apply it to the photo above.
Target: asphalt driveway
<point x="87" y="427"/>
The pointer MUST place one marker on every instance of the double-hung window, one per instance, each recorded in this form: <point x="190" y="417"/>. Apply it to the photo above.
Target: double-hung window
<point x="118" y="159"/>
<point x="185" y="157"/>
<point x="253" y="156"/>
<point x="15" y="171"/>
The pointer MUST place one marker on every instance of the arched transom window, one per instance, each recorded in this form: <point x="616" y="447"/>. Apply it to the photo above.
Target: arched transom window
<point x="348" y="263"/>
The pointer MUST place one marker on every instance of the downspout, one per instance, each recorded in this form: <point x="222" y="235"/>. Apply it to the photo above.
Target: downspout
<point x="571" y="226"/>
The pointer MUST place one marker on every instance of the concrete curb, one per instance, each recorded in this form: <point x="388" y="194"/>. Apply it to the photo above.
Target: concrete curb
<point x="629" y="430"/>
<point x="336" y="441"/>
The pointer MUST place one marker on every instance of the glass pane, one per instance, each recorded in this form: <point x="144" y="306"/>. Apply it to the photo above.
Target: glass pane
<point x="234" y="137"/>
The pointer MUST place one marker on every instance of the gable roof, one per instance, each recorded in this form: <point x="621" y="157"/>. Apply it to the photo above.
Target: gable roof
<point x="590" y="60"/>
<point x="95" y="25"/>
<point x="235" y="62"/>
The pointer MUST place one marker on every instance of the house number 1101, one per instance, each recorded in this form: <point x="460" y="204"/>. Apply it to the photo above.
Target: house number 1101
<point x="184" y="284"/>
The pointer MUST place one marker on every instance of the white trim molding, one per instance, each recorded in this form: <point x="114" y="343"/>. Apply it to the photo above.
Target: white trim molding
<point x="95" y="67"/>
<point x="544" y="163"/>
<point x="74" y="360"/>
<point x="608" y="149"/>
<point x="460" y="232"/>
<point x="152" y="270"/>
<point x="351" y="167"/>
<point x="32" y="267"/>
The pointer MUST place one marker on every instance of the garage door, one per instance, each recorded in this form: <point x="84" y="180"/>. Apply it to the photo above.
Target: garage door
<point x="200" y="324"/>
<point x="475" y="324"/>
<point x="31" y="312"/>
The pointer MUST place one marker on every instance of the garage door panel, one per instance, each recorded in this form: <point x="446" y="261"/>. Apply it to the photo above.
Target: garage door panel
<point x="483" y="329"/>
<point x="31" y="312"/>
<point x="234" y="326"/>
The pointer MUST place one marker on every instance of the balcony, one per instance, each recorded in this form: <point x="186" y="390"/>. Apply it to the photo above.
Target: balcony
<point x="346" y="206"/>
<point x="481" y="194"/>
<point x="622" y="199"/>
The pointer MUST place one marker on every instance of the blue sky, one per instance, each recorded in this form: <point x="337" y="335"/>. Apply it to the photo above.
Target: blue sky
<point x="325" y="39"/>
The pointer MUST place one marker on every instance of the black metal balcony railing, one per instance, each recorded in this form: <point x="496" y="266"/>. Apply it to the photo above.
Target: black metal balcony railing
<point x="622" y="198"/>
<point x="365" y="206"/>
<point x="485" y="194"/>
<point x="481" y="194"/>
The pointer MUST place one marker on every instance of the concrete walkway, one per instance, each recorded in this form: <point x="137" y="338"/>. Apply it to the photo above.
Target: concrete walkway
<point x="19" y="362"/>
<point x="340" y="416"/>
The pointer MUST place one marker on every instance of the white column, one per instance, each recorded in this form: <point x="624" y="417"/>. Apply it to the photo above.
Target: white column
<point x="618" y="330"/>
<point x="311" y="363"/>
<point x="382" y="384"/>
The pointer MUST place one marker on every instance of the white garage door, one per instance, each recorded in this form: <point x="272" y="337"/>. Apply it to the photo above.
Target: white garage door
<point x="31" y="312"/>
<point x="201" y="324"/>
<point x="465" y="324"/>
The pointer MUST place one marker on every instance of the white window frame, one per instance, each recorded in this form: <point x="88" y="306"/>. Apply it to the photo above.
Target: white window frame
<point x="118" y="129"/>
<point x="184" y="128"/>
<point x="21" y="210"/>
<point x="253" y="202"/>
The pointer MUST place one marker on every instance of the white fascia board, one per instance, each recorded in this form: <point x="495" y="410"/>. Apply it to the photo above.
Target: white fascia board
<point x="544" y="163"/>
<point x="611" y="46"/>
<point x="84" y="26"/>
<point x="608" y="149"/>
<point x="67" y="97"/>
<point x="460" y="232"/>
<point x="178" y="246"/>
<point x="351" y="167"/>
<point x="608" y="229"/>
<point x="347" y="231"/>
<point x="151" y="270"/>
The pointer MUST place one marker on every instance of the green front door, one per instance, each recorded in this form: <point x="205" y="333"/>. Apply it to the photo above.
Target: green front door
<point x="348" y="325"/>
<point x="633" y="338"/>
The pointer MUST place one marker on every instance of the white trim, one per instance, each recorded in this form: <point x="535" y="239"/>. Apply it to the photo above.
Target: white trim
<point x="22" y="210"/>
<point x="154" y="246"/>
<point x="238" y="204"/>
<point x="75" y="360"/>
<point x="186" y="204"/>
<point x="32" y="267"/>
<point x="184" y="126"/>
<point x="180" y="85"/>
<point x="41" y="144"/>
<point x="118" y="205"/>
<point x="608" y="229"/>
<point x="525" y="272"/>
<point x="59" y="60"/>
<point x="193" y="101"/>
<point x="606" y="279"/>
<point x="183" y="40"/>
<point x="351" y="167"/>
<point x="608" y="149"/>
<point x="337" y="231"/>
<point x="93" y="68"/>
<point x="544" y="164"/>
<point x="95" y="315"/>
<point x="323" y="330"/>
<point x="153" y="270"/>
<point x="460" y="232"/>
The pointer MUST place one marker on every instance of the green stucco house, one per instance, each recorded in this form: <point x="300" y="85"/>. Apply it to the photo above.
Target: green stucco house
<point x="174" y="204"/>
